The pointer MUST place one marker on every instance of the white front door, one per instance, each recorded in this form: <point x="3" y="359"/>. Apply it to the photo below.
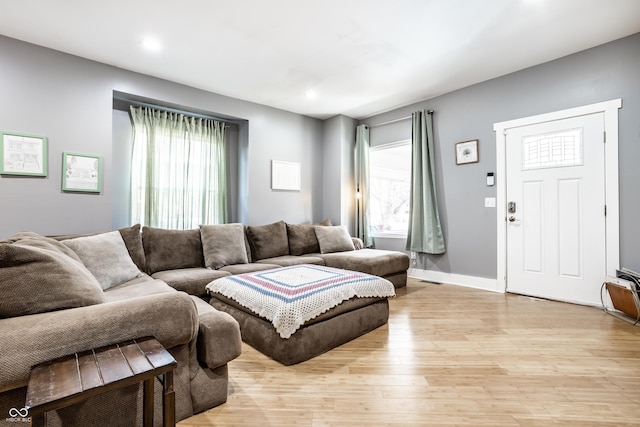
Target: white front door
<point x="555" y="194"/>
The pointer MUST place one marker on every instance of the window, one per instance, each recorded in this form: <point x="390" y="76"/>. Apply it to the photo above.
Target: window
<point x="552" y="150"/>
<point x="390" y="185"/>
<point x="178" y="175"/>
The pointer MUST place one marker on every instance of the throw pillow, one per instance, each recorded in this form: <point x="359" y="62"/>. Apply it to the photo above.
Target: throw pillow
<point x="268" y="241"/>
<point x="133" y="240"/>
<point x="334" y="239"/>
<point x="223" y="245"/>
<point x="31" y="239"/>
<point x="302" y="238"/>
<point x="171" y="249"/>
<point x="106" y="257"/>
<point x="37" y="276"/>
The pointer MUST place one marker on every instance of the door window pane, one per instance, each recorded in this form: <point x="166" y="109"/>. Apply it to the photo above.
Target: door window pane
<point x="552" y="150"/>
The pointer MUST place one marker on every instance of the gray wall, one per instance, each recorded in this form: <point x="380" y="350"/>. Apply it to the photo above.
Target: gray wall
<point x="70" y="100"/>
<point x="338" y="170"/>
<point x="606" y="72"/>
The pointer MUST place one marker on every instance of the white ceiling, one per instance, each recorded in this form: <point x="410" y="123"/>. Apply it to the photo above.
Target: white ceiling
<point x="361" y="57"/>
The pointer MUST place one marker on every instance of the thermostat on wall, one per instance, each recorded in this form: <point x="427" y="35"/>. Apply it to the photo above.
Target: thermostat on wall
<point x="490" y="179"/>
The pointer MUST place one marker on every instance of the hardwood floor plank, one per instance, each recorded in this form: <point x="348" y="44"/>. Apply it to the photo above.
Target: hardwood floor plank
<point x="451" y="356"/>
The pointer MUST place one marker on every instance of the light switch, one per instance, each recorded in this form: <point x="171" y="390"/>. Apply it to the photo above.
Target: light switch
<point x="489" y="202"/>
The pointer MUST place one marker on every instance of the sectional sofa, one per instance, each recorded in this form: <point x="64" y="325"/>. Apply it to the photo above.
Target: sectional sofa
<point x="65" y="294"/>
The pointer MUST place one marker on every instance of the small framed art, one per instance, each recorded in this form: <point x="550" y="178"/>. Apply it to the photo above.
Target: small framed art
<point x="22" y="154"/>
<point x="285" y="176"/>
<point x="467" y="152"/>
<point x="81" y="172"/>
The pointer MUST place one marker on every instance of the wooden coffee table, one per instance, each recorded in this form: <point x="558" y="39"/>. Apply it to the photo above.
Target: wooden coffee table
<point x="80" y="376"/>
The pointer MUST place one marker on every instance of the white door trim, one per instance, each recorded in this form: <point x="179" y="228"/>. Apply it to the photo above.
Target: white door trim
<point x="612" y="224"/>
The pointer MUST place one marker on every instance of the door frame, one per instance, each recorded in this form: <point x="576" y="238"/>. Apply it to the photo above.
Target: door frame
<point x="612" y="220"/>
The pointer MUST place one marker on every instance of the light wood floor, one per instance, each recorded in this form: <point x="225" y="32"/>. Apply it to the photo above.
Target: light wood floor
<point x="451" y="356"/>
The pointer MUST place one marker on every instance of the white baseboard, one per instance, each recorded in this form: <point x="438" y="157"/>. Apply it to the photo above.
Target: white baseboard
<point x="455" y="279"/>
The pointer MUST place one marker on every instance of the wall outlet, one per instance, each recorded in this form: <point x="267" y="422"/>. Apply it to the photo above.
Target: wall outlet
<point x="489" y="202"/>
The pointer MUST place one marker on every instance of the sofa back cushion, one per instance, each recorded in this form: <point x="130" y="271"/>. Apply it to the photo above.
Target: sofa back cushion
<point x="106" y="257"/>
<point x="171" y="249"/>
<point x="223" y="245"/>
<point x="302" y="238"/>
<point x="268" y="241"/>
<point x="38" y="274"/>
<point x="133" y="241"/>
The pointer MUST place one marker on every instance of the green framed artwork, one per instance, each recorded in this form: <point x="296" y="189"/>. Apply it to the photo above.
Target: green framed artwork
<point x="81" y="172"/>
<point x="23" y="154"/>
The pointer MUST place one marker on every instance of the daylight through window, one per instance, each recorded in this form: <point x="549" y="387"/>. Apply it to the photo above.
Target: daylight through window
<point x="390" y="185"/>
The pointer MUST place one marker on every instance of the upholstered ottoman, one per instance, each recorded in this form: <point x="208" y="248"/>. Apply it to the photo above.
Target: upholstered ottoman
<point x="295" y="313"/>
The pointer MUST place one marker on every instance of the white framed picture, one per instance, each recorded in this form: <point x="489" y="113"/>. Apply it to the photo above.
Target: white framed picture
<point x="285" y="176"/>
<point x="23" y="154"/>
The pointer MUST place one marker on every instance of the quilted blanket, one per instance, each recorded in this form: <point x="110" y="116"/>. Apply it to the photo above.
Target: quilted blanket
<point x="290" y="296"/>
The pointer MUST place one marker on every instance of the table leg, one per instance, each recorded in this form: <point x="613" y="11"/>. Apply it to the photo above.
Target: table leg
<point x="147" y="408"/>
<point x="168" y="401"/>
<point x="37" y="420"/>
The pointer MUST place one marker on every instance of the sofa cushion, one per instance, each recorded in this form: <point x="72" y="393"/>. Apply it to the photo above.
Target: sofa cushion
<point x="36" y="276"/>
<point x="31" y="239"/>
<point x="223" y="244"/>
<point x="288" y="260"/>
<point x="334" y="239"/>
<point x="142" y="286"/>
<point x="190" y="280"/>
<point x="372" y="261"/>
<point x="248" y="268"/>
<point x="106" y="257"/>
<point x="133" y="240"/>
<point x="171" y="249"/>
<point x="268" y="241"/>
<point x="302" y="238"/>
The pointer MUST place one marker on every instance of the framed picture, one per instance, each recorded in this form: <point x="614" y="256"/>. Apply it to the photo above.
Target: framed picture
<point x="22" y="154"/>
<point x="81" y="172"/>
<point x="285" y="176"/>
<point x="467" y="152"/>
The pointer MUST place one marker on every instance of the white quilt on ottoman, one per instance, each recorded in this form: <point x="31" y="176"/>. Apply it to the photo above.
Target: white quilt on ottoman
<point x="291" y="296"/>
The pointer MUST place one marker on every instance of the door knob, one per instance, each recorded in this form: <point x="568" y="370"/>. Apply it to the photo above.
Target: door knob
<point x="512" y="218"/>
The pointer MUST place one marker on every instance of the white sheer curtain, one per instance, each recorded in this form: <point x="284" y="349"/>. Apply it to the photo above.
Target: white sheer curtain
<point x="178" y="178"/>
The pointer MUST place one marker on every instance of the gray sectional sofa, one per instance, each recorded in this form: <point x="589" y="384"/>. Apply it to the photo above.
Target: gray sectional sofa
<point x="65" y="294"/>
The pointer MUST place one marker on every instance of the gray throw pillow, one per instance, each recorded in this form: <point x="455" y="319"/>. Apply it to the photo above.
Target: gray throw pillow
<point x="106" y="257"/>
<point x="334" y="239"/>
<point x="268" y="241"/>
<point x="223" y="245"/>
<point x="302" y="238"/>
<point x="36" y="276"/>
<point x="133" y="240"/>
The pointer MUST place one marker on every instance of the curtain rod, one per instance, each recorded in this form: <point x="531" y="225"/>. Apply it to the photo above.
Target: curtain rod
<point x="395" y="120"/>
<point x="177" y="111"/>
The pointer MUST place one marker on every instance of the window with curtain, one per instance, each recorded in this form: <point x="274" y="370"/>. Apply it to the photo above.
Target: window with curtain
<point x="178" y="173"/>
<point x="390" y="174"/>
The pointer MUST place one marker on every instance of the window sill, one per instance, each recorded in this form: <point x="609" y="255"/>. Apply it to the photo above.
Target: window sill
<point x="390" y="235"/>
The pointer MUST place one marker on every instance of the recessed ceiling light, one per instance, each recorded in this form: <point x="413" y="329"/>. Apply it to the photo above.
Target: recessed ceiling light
<point x="311" y="94"/>
<point x="151" y="44"/>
